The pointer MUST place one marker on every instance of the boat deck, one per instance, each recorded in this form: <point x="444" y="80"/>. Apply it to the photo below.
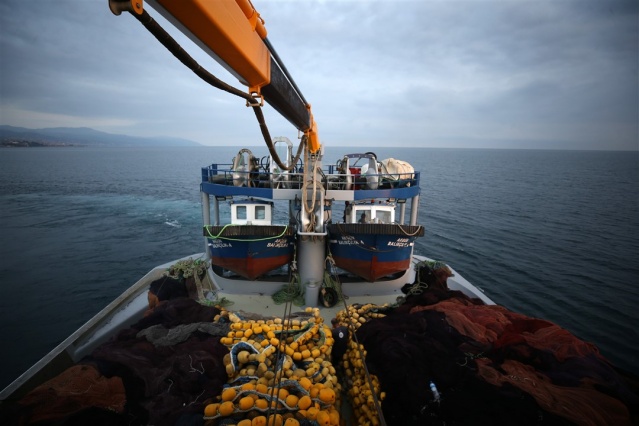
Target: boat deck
<point x="254" y="297"/>
<point x="435" y="366"/>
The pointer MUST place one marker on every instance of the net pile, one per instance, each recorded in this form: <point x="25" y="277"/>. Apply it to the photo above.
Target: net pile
<point x="186" y="363"/>
<point x="162" y="368"/>
<point x="439" y="358"/>
<point x="444" y="358"/>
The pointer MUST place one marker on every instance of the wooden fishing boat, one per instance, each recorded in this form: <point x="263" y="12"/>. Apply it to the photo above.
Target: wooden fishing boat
<point x="370" y="244"/>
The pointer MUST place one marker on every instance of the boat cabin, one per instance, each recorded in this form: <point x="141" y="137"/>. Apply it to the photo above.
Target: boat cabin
<point x="251" y="212"/>
<point x="370" y="213"/>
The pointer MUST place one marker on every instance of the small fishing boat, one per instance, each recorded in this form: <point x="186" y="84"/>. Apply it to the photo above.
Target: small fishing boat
<point x="370" y="244"/>
<point x="250" y="245"/>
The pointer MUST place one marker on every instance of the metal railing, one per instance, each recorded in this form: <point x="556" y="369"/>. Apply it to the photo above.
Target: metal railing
<point x="223" y="174"/>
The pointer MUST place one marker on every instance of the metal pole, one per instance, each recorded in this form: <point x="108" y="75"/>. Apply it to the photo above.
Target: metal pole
<point x="206" y="217"/>
<point x="402" y="213"/>
<point x="414" y="206"/>
<point x="216" y="207"/>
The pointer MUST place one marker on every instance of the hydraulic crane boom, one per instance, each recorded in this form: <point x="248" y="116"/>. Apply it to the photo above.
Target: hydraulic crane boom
<point x="233" y="33"/>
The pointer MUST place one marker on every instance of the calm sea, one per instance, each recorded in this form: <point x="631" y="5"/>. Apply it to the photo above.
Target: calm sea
<point x="551" y="234"/>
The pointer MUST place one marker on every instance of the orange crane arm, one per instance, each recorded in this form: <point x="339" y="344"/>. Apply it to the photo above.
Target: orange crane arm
<point x="233" y="33"/>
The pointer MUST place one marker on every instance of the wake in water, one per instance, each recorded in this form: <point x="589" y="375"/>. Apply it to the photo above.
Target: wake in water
<point x="173" y="223"/>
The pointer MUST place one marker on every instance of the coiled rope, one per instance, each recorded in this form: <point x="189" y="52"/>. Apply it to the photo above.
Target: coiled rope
<point x="419" y="286"/>
<point x="291" y="292"/>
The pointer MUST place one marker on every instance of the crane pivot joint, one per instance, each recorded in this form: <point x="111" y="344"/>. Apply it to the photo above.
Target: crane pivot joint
<point x="133" y="6"/>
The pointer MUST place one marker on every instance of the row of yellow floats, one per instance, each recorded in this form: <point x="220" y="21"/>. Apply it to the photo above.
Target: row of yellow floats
<point x="362" y="397"/>
<point x="280" y="373"/>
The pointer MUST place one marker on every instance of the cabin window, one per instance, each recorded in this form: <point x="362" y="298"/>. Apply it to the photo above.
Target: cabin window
<point x="384" y="216"/>
<point x="363" y="216"/>
<point x="260" y="212"/>
<point x="241" y="212"/>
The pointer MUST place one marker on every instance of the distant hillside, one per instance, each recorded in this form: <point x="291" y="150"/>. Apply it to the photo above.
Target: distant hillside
<point x="11" y="136"/>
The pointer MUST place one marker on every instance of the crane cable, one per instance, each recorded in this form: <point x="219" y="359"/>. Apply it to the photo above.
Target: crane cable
<point x="174" y="47"/>
<point x="280" y="357"/>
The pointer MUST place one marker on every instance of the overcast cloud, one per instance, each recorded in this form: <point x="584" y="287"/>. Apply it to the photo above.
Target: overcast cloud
<point x="475" y="73"/>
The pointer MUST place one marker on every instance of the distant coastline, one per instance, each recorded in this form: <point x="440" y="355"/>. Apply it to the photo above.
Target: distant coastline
<point x="64" y="137"/>
<point x="34" y="144"/>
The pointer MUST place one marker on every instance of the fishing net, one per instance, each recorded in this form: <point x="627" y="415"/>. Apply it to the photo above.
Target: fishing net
<point x="444" y="358"/>
<point x="80" y="388"/>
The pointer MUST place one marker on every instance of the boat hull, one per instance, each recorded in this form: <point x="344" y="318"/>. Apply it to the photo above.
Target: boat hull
<point x="373" y="251"/>
<point x="250" y="250"/>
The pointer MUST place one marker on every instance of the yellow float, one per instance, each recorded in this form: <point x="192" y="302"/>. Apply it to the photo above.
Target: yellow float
<point x="279" y="372"/>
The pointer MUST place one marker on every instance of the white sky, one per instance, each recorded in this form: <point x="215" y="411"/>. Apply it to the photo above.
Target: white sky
<point x="432" y="73"/>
